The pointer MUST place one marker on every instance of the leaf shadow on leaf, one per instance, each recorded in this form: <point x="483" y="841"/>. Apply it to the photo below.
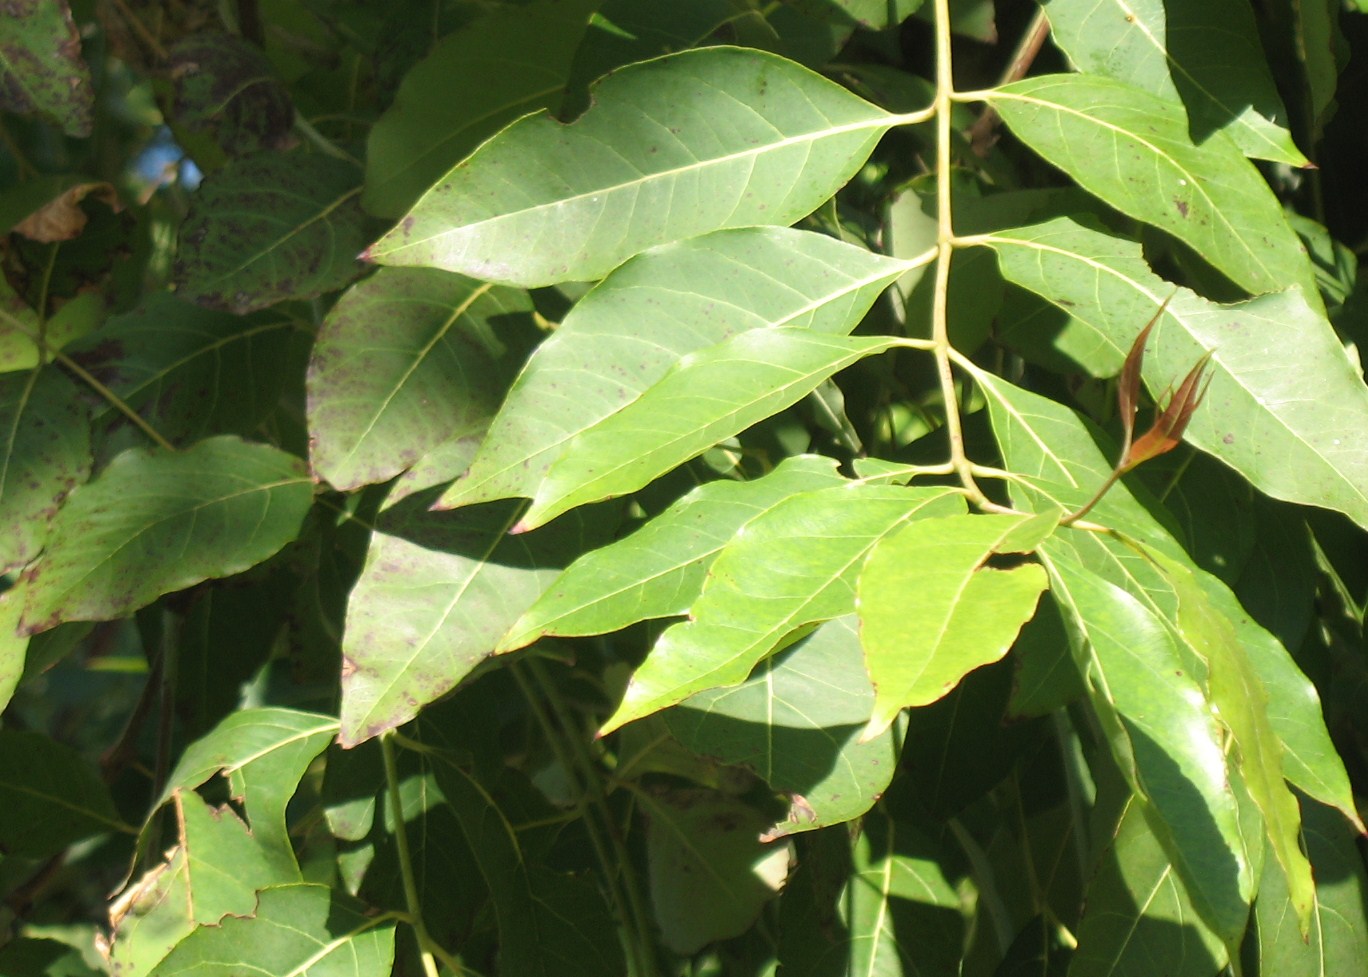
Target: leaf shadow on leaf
<point x="1207" y="115"/>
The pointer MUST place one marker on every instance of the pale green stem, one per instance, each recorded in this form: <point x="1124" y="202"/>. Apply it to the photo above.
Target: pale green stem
<point x="411" y="900"/>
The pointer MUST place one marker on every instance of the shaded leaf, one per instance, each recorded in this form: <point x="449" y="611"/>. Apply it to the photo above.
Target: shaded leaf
<point x="1206" y="55"/>
<point x="869" y="14"/>
<point x="659" y="570"/>
<point x="671" y="148"/>
<point x="223" y="88"/>
<point x="296" y="929"/>
<point x="1208" y="195"/>
<point x="154" y="522"/>
<point x="44" y="454"/>
<point x="1046" y="678"/>
<point x="49" y="796"/>
<point x="930" y="612"/>
<point x="380" y="399"/>
<point x="271" y="227"/>
<point x="707" y="397"/>
<point x="41" y="69"/>
<point x="27" y="957"/>
<point x="658" y="307"/>
<point x="476" y="80"/>
<point x="795" y="722"/>
<point x="795" y="565"/>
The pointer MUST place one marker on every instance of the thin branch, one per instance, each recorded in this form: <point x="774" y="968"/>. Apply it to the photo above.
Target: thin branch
<point x="981" y="133"/>
<point x="411" y="900"/>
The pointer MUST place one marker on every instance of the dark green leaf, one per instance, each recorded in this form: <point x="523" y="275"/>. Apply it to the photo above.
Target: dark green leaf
<point x="49" y="796"/>
<point x="41" y="69"/>
<point x="224" y="89"/>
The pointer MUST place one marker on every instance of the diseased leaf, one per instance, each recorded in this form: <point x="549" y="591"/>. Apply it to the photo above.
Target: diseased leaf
<point x="296" y="929"/>
<point x="659" y="570"/>
<point x="795" y="565"/>
<point x="796" y="722"/>
<point x="475" y="81"/>
<point x="670" y="149"/>
<point x="154" y="522"/>
<point x="13" y="645"/>
<point x="930" y="612"/>
<point x="708" y="396"/>
<point x="224" y="89"/>
<point x="1206" y="194"/>
<point x="630" y="330"/>
<point x="1206" y="55"/>
<point x="270" y="227"/>
<point x="44" y="454"/>
<point x="1285" y="408"/>
<point x="381" y="399"/>
<point x="41" y="69"/>
<point x="49" y="796"/>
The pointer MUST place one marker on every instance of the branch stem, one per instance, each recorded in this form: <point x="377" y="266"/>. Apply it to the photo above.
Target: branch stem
<point x="411" y="899"/>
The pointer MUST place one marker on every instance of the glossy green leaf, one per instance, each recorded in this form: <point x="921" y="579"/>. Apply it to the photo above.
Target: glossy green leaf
<point x="659" y="570"/>
<point x="1206" y="55"/>
<point x="380" y="399"/>
<point x="795" y="565"/>
<point x="1257" y="416"/>
<point x="189" y="371"/>
<point x="437" y="591"/>
<point x="296" y="929"/>
<point x="44" y="454"/>
<point x="271" y="227"/>
<point x="930" y="611"/>
<point x="263" y="752"/>
<point x="49" y="796"/>
<point x="477" y="79"/>
<point x="707" y="397"/>
<point x="710" y="874"/>
<point x="628" y="332"/>
<point x="796" y="722"/>
<point x="155" y="521"/>
<point x="670" y="149"/>
<point x="41" y="68"/>
<point x="1101" y="132"/>
<point x="1139" y="920"/>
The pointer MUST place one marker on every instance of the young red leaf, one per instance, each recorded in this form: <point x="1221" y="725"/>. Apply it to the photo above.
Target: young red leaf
<point x="1167" y="429"/>
<point x="1128" y="385"/>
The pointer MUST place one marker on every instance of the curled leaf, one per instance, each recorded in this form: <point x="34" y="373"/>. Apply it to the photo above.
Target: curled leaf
<point x="1167" y="429"/>
<point x="1128" y="385"/>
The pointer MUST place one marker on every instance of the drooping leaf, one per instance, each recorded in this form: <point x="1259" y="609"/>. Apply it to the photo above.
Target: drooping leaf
<point x="44" y="454"/>
<point x="796" y="722"/>
<point x="154" y="522"/>
<point x="437" y="592"/>
<point x="1206" y="55"/>
<point x="1208" y="195"/>
<point x="41" y="69"/>
<point x="49" y="796"/>
<point x="707" y="397"/>
<point x="475" y="81"/>
<point x="1268" y="353"/>
<point x="296" y="929"/>
<point x="444" y="353"/>
<point x="671" y="148"/>
<point x="628" y="332"/>
<point x="930" y="611"/>
<point x="270" y="227"/>
<point x="795" y="565"/>
<point x="659" y="570"/>
<point x="710" y="874"/>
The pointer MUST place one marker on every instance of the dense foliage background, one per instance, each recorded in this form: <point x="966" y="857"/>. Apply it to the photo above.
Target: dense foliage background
<point x="667" y="487"/>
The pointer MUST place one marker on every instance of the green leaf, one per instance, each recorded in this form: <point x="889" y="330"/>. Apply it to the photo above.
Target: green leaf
<point x="1257" y="416"/>
<point x="296" y="930"/>
<point x="1206" y="55"/>
<point x="224" y="89"/>
<point x="796" y="723"/>
<point x="870" y="14"/>
<point x="437" y="591"/>
<point x="270" y="227"/>
<point x="670" y="149"/>
<point x="1139" y="920"/>
<point x="154" y="522"/>
<point x="44" y="454"/>
<point x="41" y="70"/>
<point x="1101" y="132"/>
<point x="404" y="359"/>
<point x="28" y="957"/>
<point x="710" y="874"/>
<point x="707" y="397"/>
<point x="1046" y="678"/>
<point x="13" y="646"/>
<point x="660" y="569"/>
<point x="795" y="565"/>
<point x="628" y="332"/>
<point x="930" y="612"/>
<point x="49" y="797"/>
<point x="477" y="79"/>
<point x="264" y="753"/>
